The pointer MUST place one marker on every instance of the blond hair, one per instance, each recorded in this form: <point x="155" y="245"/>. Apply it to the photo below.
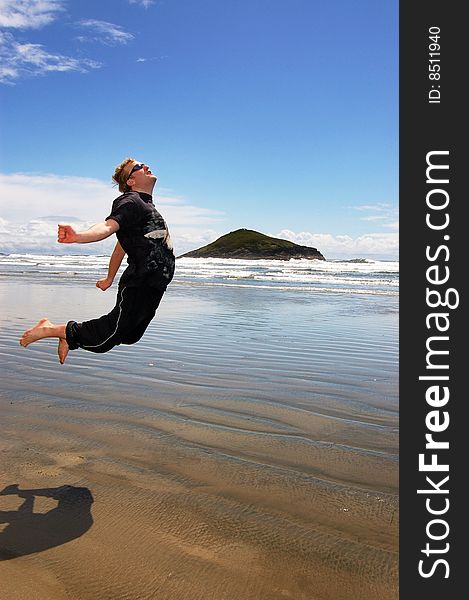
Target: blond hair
<point x="120" y="178"/>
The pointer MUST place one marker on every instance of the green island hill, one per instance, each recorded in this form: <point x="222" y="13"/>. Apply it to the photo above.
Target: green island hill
<point x="248" y="244"/>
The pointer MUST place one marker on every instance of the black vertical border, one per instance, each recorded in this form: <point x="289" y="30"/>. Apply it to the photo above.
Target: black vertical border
<point x="426" y="127"/>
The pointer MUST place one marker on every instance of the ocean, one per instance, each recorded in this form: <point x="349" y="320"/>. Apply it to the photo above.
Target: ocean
<point x="358" y="276"/>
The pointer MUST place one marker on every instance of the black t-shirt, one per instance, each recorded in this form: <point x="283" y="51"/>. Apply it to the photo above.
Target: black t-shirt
<point x="144" y="236"/>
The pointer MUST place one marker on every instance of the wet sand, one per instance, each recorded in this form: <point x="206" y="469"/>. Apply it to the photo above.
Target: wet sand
<point x="246" y="448"/>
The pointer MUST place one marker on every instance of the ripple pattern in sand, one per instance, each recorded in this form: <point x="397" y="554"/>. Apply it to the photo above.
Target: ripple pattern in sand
<point x="255" y="461"/>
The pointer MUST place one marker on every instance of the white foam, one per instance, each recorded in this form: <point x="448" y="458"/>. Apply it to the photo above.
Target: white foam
<point x="308" y="275"/>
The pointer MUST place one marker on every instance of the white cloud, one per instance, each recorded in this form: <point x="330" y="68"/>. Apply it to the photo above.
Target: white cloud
<point x="151" y="58"/>
<point x="373" y="218"/>
<point x="189" y="238"/>
<point x="108" y="33"/>
<point x="380" y="206"/>
<point x="41" y="201"/>
<point x="31" y="205"/>
<point x="8" y="74"/>
<point x="386" y="213"/>
<point x="378" y="245"/>
<point x="144" y="3"/>
<point x="40" y="195"/>
<point x="195" y="215"/>
<point x="38" y="236"/>
<point x="21" y="59"/>
<point x="28" y="14"/>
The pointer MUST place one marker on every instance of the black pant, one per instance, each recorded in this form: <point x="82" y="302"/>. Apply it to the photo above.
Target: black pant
<point x="125" y="324"/>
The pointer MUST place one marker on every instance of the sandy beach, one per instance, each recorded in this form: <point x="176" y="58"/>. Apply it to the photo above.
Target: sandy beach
<point x="246" y="448"/>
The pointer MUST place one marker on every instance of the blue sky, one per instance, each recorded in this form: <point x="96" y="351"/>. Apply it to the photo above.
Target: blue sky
<point x="271" y="115"/>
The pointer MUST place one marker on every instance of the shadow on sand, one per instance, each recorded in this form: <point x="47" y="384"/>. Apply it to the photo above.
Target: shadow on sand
<point x="28" y="532"/>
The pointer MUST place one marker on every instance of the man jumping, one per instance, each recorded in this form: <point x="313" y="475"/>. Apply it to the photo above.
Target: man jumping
<point x="143" y="235"/>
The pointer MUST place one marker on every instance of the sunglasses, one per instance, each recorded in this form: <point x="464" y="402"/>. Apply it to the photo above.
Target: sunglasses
<point x="135" y="168"/>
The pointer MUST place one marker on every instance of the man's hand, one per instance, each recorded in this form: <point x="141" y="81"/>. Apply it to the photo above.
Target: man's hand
<point x="105" y="283"/>
<point x="67" y="235"/>
<point x="96" y="233"/>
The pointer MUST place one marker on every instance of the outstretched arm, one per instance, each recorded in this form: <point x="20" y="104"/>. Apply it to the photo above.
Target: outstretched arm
<point x="100" y="231"/>
<point x="114" y="264"/>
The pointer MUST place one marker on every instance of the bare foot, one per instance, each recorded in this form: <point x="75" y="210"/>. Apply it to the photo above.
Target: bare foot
<point x="62" y="350"/>
<point x="41" y="330"/>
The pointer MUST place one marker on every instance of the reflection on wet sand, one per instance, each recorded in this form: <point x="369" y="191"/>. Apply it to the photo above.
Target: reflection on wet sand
<point x="220" y="472"/>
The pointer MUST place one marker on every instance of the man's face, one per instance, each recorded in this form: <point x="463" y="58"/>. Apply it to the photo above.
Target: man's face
<point x="141" y="176"/>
